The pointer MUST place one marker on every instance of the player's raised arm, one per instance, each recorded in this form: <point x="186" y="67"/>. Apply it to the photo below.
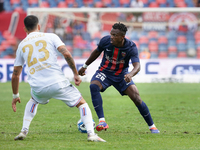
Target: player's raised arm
<point x="94" y="55"/>
<point x="68" y="57"/>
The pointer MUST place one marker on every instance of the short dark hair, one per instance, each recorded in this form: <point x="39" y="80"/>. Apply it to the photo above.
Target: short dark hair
<point x="31" y="22"/>
<point x="121" y="27"/>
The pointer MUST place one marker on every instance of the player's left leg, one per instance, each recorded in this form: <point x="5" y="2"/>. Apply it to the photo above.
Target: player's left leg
<point x="133" y="93"/>
<point x="29" y="113"/>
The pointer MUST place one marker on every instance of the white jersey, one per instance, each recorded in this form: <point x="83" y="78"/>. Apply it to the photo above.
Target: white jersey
<point x="39" y="51"/>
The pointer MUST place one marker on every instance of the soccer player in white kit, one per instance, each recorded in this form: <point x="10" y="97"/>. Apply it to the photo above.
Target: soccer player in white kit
<point x="39" y="51"/>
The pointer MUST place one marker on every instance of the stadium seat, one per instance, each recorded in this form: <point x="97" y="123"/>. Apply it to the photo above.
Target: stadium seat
<point x="182" y="55"/>
<point x="172" y="55"/>
<point x="181" y="4"/>
<point x="86" y="54"/>
<point x="154" y="55"/>
<point x="86" y="36"/>
<point x="172" y="35"/>
<point x="161" y="1"/>
<point x="172" y="49"/>
<point x="143" y="46"/>
<point x="190" y="35"/>
<point x="44" y="4"/>
<point x="153" y="4"/>
<point x="134" y="36"/>
<point x="163" y="47"/>
<point x="163" y="5"/>
<point x="191" y="45"/>
<point x="181" y="39"/>
<point x="33" y="2"/>
<point x="124" y="3"/>
<point x="198" y="55"/>
<point x="153" y="46"/>
<point x="182" y="47"/>
<point x="77" y="53"/>
<point x="14" y="2"/>
<point x="62" y="5"/>
<point x="162" y="54"/>
<point x="162" y="40"/>
<point x="6" y="34"/>
<point x="171" y="43"/>
<point x="143" y="40"/>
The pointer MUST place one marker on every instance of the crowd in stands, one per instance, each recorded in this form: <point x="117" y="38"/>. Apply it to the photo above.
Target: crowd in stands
<point x="80" y="42"/>
<point x="10" y="5"/>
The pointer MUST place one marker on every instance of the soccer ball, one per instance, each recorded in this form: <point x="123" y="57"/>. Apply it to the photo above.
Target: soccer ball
<point x="81" y="127"/>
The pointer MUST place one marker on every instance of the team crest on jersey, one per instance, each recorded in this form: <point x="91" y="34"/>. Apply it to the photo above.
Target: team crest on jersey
<point x="123" y="54"/>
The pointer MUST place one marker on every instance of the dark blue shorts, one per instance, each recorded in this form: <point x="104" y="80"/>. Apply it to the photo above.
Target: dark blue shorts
<point x="106" y="80"/>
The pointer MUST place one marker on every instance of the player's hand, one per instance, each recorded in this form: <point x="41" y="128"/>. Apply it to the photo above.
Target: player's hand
<point x="81" y="72"/>
<point x="14" y="101"/>
<point x="77" y="80"/>
<point x="128" y="78"/>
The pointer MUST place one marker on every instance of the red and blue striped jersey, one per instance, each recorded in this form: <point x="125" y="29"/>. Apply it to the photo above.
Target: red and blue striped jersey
<point x="116" y="59"/>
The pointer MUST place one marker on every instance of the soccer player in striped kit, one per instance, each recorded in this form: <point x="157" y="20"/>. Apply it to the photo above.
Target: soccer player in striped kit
<point x="39" y="51"/>
<point x="113" y="71"/>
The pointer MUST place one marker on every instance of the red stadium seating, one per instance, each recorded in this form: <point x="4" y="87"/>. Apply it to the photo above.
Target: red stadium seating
<point x="62" y="4"/>
<point x="44" y="4"/>
<point x="162" y="55"/>
<point x="153" y="46"/>
<point x="143" y="40"/>
<point x="161" y="1"/>
<point x="162" y="39"/>
<point x="153" y="4"/>
<point x="172" y="49"/>
<point x="181" y="39"/>
<point x="182" y="55"/>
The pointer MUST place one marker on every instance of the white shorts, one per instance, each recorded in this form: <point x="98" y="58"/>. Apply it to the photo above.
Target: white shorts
<point x="63" y="91"/>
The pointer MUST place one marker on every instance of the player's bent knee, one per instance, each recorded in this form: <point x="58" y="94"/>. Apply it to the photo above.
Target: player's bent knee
<point x="82" y="101"/>
<point x="94" y="88"/>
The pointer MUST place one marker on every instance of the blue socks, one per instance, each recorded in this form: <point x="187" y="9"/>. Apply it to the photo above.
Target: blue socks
<point x="144" y="111"/>
<point x="97" y="100"/>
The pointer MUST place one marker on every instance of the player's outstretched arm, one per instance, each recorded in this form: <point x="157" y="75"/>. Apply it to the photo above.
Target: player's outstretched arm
<point x="15" y="86"/>
<point x="68" y="57"/>
<point x="94" y="55"/>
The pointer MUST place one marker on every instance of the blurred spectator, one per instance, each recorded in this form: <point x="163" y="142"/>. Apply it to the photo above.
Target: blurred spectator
<point x="145" y="54"/>
<point x="60" y="31"/>
<point x="78" y="27"/>
<point x="136" y="3"/>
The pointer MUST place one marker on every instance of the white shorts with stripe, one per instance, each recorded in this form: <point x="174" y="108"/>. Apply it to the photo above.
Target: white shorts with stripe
<point x="63" y="91"/>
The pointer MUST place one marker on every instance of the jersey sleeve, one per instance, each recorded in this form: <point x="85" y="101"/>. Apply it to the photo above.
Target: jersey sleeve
<point x="57" y="41"/>
<point x="134" y="55"/>
<point x="19" y="60"/>
<point x="102" y="43"/>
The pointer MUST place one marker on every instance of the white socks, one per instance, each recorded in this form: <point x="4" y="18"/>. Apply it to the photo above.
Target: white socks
<point x="102" y="119"/>
<point x="29" y="113"/>
<point x="86" y="117"/>
<point x="152" y="126"/>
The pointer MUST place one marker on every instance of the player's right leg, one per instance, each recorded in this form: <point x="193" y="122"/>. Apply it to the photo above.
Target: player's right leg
<point x="86" y="117"/>
<point x="29" y="113"/>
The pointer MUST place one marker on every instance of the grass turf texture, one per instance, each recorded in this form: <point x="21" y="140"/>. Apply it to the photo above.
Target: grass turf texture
<point x="174" y="108"/>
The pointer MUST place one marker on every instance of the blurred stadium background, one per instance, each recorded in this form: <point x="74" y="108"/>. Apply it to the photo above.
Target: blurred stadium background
<point x="163" y="29"/>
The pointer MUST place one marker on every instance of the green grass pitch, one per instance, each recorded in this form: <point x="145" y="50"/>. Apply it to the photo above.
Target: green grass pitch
<point x="174" y="107"/>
